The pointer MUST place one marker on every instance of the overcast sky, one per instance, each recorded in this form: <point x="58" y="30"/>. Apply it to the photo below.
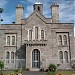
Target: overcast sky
<point x="66" y="9"/>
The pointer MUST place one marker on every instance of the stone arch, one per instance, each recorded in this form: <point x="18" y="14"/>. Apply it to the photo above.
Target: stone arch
<point x="61" y="56"/>
<point x="66" y="56"/>
<point x="35" y="58"/>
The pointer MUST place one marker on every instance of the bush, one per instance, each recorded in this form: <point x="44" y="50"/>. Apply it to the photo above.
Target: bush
<point x="52" y="68"/>
<point x="1" y="65"/>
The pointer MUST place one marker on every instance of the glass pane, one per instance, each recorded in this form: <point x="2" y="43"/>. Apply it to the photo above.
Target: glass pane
<point x="30" y="34"/>
<point x="7" y="55"/>
<point x="36" y="58"/>
<point x="42" y="34"/>
<point x="61" y="56"/>
<point x="36" y="32"/>
<point x="66" y="56"/>
<point x="8" y="40"/>
<point x="12" y="55"/>
<point x="13" y="40"/>
<point x="60" y="40"/>
<point x="65" y="39"/>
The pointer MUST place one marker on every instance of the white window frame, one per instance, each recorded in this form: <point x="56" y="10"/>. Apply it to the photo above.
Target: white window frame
<point x="10" y="60"/>
<point x="10" y="39"/>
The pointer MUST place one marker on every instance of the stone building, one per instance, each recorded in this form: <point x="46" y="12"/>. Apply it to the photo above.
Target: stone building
<point x="37" y="41"/>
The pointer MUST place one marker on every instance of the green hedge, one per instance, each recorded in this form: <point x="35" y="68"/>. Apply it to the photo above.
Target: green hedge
<point x="1" y="65"/>
<point x="52" y="68"/>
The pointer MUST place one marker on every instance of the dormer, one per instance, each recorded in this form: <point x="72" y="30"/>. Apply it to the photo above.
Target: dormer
<point x="38" y="7"/>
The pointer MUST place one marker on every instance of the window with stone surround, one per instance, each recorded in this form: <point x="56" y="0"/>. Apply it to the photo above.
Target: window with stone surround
<point x="7" y="57"/>
<point x="36" y="33"/>
<point x="10" y="39"/>
<point x="66" y="56"/>
<point x="61" y="56"/>
<point x="65" y="39"/>
<point x="60" y="40"/>
<point x="30" y="34"/>
<point x="12" y="57"/>
<point x="42" y="34"/>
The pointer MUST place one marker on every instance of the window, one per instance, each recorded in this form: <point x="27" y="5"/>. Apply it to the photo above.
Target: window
<point x="7" y="57"/>
<point x="30" y="34"/>
<point x="8" y="40"/>
<point x="12" y="57"/>
<point x="36" y="58"/>
<point x="66" y="56"/>
<point x="60" y="40"/>
<point x="38" y="8"/>
<point x="13" y="40"/>
<point x="42" y="34"/>
<point x="65" y="39"/>
<point x="61" y="56"/>
<point x="36" y="33"/>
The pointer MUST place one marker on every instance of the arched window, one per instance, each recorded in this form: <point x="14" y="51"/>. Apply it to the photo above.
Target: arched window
<point x="7" y="55"/>
<point x="36" y="58"/>
<point x="65" y="39"/>
<point x="66" y="56"/>
<point x="38" y="8"/>
<point x="12" y="57"/>
<point x="36" y="33"/>
<point x="8" y="40"/>
<point x="42" y="34"/>
<point x="61" y="56"/>
<point x="13" y="40"/>
<point x="60" y="40"/>
<point x="30" y="34"/>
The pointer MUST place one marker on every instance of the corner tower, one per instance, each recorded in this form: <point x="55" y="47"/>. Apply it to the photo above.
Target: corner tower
<point x="19" y="14"/>
<point x="38" y="7"/>
<point x="55" y="12"/>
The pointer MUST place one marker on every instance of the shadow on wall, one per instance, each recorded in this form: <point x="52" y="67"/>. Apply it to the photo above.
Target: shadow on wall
<point x="21" y="52"/>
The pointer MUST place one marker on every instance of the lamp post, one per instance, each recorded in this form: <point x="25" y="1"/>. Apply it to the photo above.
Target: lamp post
<point x="1" y="11"/>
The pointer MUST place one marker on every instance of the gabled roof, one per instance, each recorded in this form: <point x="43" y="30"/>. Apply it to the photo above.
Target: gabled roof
<point x="37" y="13"/>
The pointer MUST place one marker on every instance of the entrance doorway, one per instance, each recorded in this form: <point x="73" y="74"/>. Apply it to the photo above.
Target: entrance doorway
<point x="36" y="58"/>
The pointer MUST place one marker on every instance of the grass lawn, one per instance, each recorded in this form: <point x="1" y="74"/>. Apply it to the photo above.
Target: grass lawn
<point x="58" y="72"/>
<point x="8" y="72"/>
<point x="66" y="72"/>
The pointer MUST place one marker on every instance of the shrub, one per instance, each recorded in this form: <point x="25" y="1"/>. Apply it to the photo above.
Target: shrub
<point x="52" y="68"/>
<point x="1" y="65"/>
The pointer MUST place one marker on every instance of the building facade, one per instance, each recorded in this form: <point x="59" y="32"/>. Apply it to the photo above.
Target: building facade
<point x="37" y="41"/>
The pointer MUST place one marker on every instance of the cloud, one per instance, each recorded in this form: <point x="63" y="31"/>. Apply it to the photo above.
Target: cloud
<point x="28" y="11"/>
<point x="66" y="11"/>
<point x="3" y="3"/>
